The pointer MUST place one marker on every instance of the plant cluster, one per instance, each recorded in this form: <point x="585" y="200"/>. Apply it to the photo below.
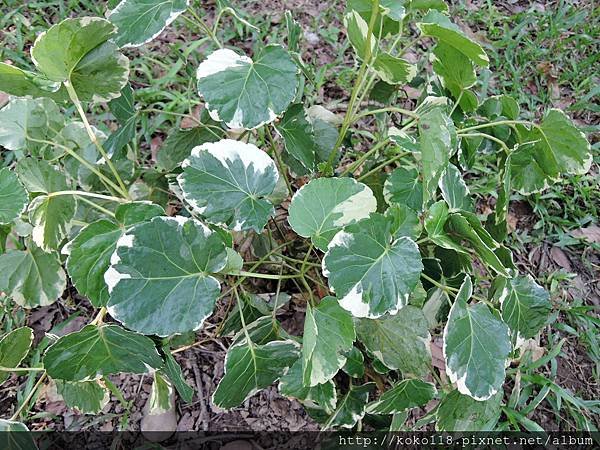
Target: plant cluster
<point x="389" y="251"/>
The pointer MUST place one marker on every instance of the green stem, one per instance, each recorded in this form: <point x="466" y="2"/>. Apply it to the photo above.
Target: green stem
<point x="98" y="207"/>
<point x="382" y="165"/>
<point x="406" y="112"/>
<point x="282" y="167"/>
<point x="21" y="369"/>
<point x="493" y="124"/>
<point x="75" y="99"/>
<point x="204" y="27"/>
<point x="356" y="164"/>
<point x="266" y="276"/>
<point x="27" y="399"/>
<point x="358" y="83"/>
<point x="87" y="194"/>
<point x="105" y="180"/>
<point x="460" y="96"/>
<point x="490" y="137"/>
<point x="438" y="284"/>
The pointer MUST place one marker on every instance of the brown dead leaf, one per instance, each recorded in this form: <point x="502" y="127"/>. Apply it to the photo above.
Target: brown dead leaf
<point x="590" y="234"/>
<point x="560" y="258"/>
<point x="155" y="145"/>
<point x="188" y="122"/>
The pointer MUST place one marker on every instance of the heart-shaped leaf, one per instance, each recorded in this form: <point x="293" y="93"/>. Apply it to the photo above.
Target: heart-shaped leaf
<point x="351" y="408"/>
<point x="87" y="397"/>
<point x="140" y="21"/>
<point x="322" y="207"/>
<point x="96" y="351"/>
<point x="404" y="187"/>
<point x="32" y="277"/>
<point x="476" y="345"/>
<point x="246" y="93"/>
<point x="21" y="83"/>
<point x="371" y="272"/>
<point x="458" y="412"/>
<point x="159" y="279"/>
<point x="90" y="251"/>
<point x="323" y="395"/>
<point x="227" y="182"/>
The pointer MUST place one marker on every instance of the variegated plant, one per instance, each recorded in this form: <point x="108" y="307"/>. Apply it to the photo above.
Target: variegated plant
<point x="385" y="241"/>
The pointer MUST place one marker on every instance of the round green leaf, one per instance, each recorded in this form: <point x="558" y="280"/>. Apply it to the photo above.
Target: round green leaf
<point x="21" y="83"/>
<point x="13" y="197"/>
<point x="400" y="341"/>
<point x="227" y="182"/>
<point x="24" y="118"/>
<point x="159" y="280"/>
<point x="405" y="395"/>
<point x="79" y="51"/>
<point x="372" y="273"/>
<point x="328" y="334"/>
<point x="476" y="345"/>
<point x="140" y="21"/>
<point x="244" y="93"/>
<point x="323" y="206"/>
<point x="96" y="351"/>
<point x="32" y="277"/>
<point x="14" y="347"/>
<point x="403" y="186"/>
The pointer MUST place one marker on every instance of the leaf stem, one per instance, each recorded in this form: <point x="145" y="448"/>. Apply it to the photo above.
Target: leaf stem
<point x="356" y="164"/>
<point x="493" y="124"/>
<point x="88" y="194"/>
<point x="27" y="399"/>
<point x="97" y="206"/>
<point x="105" y="180"/>
<point x="75" y="99"/>
<point x="282" y="167"/>
<point x="358" y="83"/>
<point x="382" y="165"/>
<point x="204" y="27"/>
<point x="406" y="112"/>
<point x="21" y="369"/>
<point x="490" y="137"/>
<point x="266" y="276"/>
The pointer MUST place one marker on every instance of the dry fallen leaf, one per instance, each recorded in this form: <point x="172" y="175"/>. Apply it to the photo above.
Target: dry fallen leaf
<point x="590" y="234"/>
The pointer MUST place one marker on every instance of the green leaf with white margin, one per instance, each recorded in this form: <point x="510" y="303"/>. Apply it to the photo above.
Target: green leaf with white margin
<point x="394" y="70"/>
<point x="40" y="177"/>
<point x="301" y="149"/>
<point x="476" y="345"/>
<point x="436" y="135"/>
<point x="78" y="51"/>
<point x="14" y="347"/>
<point x="525" y="305"/>
<point x="454" y="189"/>
<point x="32" y="277"/>
<point x="351" y="408"/>
<point x="96" y="351"/>
<point x="372" y="272"/>
<point x="435" y="226"/>
<point x="439" y="26"/>
<point x="24" y="120"/>
<point x="323" y="206"/>
<point x="246" y="93"/>
<point x="357" y="29"/>
<point x="405" y="395"/>
<point x="51" y="217"/>
<point x="546" y="151"/>
<point x="403" y="186"/>
<point x="161" y="395"/>
<point x="328" y="334"/>
<point x="87" y="397"/>
<point x="355" y="363"/>
<point x="173" y="370"/>
<point x="21" y="440"/>
<point x="458" y="412"/>
<point x="167" y="262"/>
<point x="250" y="368"/>
<point x="140" y="21"/>
<point x="21" y="83"/>
<point x="90" y="251"/>
<point x="227" y="182"/>
<point x="401" y="341"/>
<point x="323" y="395"/>
<point x="13" y="197"/>
<point x="405" y="222"/>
